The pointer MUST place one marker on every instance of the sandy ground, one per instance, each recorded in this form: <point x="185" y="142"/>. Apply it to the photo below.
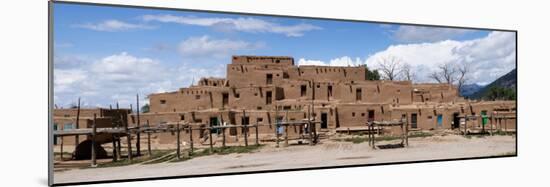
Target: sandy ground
<point x="328" y="153"/>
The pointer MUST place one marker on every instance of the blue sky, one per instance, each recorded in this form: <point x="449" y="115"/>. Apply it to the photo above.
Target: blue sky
<point x="148" y="50"/>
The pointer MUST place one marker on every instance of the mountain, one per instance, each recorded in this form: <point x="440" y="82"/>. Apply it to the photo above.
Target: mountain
<point x="506" y="84"/>
<point x="469" y="89"/>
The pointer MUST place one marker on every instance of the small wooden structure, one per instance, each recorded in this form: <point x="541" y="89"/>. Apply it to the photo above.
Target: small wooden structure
<point x="497" y="122"/>
<point x="403" y="123"/>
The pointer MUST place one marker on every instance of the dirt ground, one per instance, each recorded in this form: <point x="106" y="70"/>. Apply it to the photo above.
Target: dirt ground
<point x="327" y="153"/>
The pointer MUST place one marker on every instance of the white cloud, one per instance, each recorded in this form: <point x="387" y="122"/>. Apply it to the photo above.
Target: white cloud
<point x="251" y="25"/>
<point x="206" y="46"/>
<point x="112" y="26"/>
<point x="489" y="57"/>
<point x="414" y="34"/>
<point x="342" y="61"/>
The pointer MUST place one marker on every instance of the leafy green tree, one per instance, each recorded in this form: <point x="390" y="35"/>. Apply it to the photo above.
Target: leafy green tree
<point x="373" y="75"/>
<point x="501" y="93"/>
<point x="145" y="108"/>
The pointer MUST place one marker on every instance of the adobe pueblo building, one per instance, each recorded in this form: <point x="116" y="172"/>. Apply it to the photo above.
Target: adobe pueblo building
<point x="271" y="89"/>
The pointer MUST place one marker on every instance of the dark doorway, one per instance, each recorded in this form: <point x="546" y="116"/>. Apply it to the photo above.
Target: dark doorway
<point x="371" y="115"/>
<point x="303" y="89"/>
<point x="358" y="94"/>
<point x="456" y="121"/>
<point x="324" y="120"/>
<point x="268" y="98"/>
<point x="214" y="122"/>
<point x="225" y="99"/>
<point x="414" y="120"/>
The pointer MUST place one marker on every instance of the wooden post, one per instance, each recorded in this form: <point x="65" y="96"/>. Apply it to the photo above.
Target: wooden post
<point x="257" y="137"/>
<point x="277" y="125"/>
<point x="190" y="140"/>
<point x="129" y="138"/>
<point x="402" y="134"/>
<point x="223" y="137"/>
<point x="505" y="126"/>
<point x="491" y="126"/>
<point x="62" y="147"/>
<point x="149" y="140"/>
<point x="245" y="128"/>
<point x="210" y="138"/>
<point x="373" y="138"/>
<point x="309" y="125"/>
<point x="149" y="143"/>
<point x="76" y="138"/>
<point x="178" y="140"/>
<point x="407" y="131"/>
<point x="138" y="141"/>
<point x="94" y="164"/>
<point x="114" y="149"/>
<point x="465" y="124"/>
<point x="286" y="129"/>
<point x="118" y="155"/>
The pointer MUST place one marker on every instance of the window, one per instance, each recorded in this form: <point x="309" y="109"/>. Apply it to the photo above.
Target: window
<point x="362" y="114"/>
<point x="439" y="120"/>
<point x="259" y="119"/>
<point x="197" y="96"/>
<point x="162" y="102"/>
<point x="353" y="114"/>
<point x="303" y="90"/>
<point x="286" y="107"/>
<point x="330" y="90"/>
<point x="269" y="79"/>
<point x="358" y="94"/>
<point x="68" y="126"/>
<point x="182" y="117"/>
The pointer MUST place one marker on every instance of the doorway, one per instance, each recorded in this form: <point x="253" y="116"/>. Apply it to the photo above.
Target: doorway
<point x="456" y="121"/>
<point x="214" y="122"/>
<point x="324" y="122"/>
<point x="370" y="115"/>
<point x="414" y="119"/>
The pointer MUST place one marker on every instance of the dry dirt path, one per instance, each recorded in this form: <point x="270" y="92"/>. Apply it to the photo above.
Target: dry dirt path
<point x="329" y="153"/>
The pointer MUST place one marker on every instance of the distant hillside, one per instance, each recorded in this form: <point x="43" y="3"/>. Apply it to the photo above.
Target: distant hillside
<point x="469" y="89"/>
<point x="505" y="85"/>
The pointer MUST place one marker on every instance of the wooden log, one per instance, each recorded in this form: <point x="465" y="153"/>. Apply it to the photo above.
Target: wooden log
<point x="309" y="125"/>
<point x="277" y="125"/>
<point x="465" y="126"/>
<point x="223" y="137"/>
<point x="178" y="141"/>
<point x="245" y="129"/>
<point x="257" y="137"/>
<point x="149" y="143"/>
<point x="94" y="163"/>
<point x="138" y="141"/>
<point x="76" y="138"/>
<point x="190" y="140"/>
<point x="118" y="155"/>
<point x="114" y="149"/>
<point x="505" y="127"/>
<point x="210" y="138"/>
<point x="62" y="146"/>
<point x="407" y="131"/>
<point x="286" y="129"/>
<point x="491" y="126"/>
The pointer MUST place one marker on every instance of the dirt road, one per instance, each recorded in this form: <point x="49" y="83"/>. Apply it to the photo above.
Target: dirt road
<point x="328" y="153"/>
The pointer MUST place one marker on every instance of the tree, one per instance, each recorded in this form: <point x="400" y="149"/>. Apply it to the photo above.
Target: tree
<point x="373" y="75"/>
<point x="501" y="93"/>
<point x="463" y="71"/>
<point x="445" y="73"/>
<point x="390" y="67"/>
<point x="407" y="72"/>
<point x="145" y="108"/>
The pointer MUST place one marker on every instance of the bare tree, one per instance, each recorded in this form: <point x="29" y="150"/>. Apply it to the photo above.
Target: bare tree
<point x="445" y="73"/>
<point x="407" y="72"/>
<point x="462" y="70"/>
<point x="390" y="67"/>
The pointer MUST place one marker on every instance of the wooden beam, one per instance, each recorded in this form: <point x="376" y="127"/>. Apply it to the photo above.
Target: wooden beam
<point x="114" y="149"/>
<point x="94" y="164"/>
<point x="257" y="137"/>
<point x="286" y="129"/>
<point x="245" y="128"/>
<point x="178" y="141"/>
<point x="76" y="138"/>
<point x="138" y="141"/>
<point x="190" y="140"/>
<point x="210" y="138"/>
